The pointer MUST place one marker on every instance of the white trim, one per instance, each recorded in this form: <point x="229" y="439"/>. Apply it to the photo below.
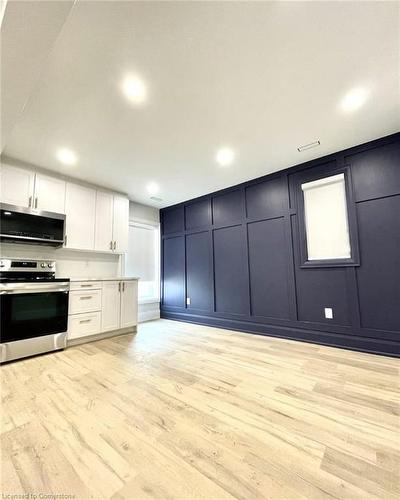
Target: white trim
<point x="149" y="313"/>
<point x="150" y="300"/>
<point x="3" y="5"/>
<point x="148" y="316"/>
<point x="333" y="179"/>
<point x="144" y="222"/>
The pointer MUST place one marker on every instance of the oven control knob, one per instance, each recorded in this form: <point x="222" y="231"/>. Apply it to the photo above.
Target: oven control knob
<point x="50" y="265"/>
<point x="42" y="264"/>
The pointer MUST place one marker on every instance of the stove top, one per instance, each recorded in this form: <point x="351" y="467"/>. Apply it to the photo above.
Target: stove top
<point x="28" y="270"/>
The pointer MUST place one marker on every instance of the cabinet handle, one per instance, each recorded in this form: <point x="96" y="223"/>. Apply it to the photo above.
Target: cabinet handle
<point x="65" y="240"/>
<point x="30" y="201"/>
<point x="115" y="245"/>
<point x="111" y="245"/>
<point x="123" y="286"/>
<point x="85" y="321"/>
<point x="85" y="286"/>
<point x="36" y="202"/>
<point x="119" y="286"/>
<point x="86" y="297"/>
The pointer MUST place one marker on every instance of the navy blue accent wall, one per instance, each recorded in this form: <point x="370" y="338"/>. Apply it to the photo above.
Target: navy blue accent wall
<point x="238" y="255"/>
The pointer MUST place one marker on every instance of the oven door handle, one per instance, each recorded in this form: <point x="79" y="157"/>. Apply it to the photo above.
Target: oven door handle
<point x="26" y="288"/>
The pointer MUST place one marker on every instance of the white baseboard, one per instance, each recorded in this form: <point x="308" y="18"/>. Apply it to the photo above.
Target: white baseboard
<point x="101" y="336"/>
<point x="148" y="312"/>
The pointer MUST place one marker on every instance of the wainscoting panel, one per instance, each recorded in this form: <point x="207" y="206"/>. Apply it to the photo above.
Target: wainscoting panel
<point x="238" y="254"/>
<point x="378" y="276"/>
<point x="268" y="264"/>
<point x="199" y="279"/>
<point x="231" y="273"/>
<point x="173" y="282"/>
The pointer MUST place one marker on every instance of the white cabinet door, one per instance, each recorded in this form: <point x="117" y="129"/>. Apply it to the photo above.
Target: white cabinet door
<point x="103" y="239"/>
<point x="110" y="311"/>
<point x="129" y="304"/>
<point x="80" y="209"/>
<point x="49" y="194"/>
<point x="121" y="224"/>
<point x="16" y="186"/>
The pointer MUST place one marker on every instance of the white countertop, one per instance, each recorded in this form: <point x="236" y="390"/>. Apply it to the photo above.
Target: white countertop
<point x="102" y="278"/>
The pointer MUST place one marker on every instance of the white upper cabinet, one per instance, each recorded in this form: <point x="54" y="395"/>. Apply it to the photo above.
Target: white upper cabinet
<point x="129" y="303"/>
<point x="49" y="194"/>
<point x="121" y="224"/>
<point x="16" y="186"/>
<point x="103" y="239"/>
<point x="80" y="209"/>
<point x="96" y="220"/>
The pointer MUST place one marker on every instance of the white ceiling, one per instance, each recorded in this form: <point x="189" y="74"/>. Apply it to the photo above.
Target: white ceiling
<point x="259" y="77"/>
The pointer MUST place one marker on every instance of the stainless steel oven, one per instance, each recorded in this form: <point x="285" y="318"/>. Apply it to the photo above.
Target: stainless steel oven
<point x="34" y="308"/>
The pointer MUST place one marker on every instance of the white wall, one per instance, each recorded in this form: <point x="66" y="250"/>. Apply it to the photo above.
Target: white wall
<point x="143" y="213"/>
<point x="150" y="215"/>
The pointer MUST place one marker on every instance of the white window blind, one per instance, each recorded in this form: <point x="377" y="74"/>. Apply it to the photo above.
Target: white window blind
<point x="326" y="219"/>
<point x="142" y="259"/>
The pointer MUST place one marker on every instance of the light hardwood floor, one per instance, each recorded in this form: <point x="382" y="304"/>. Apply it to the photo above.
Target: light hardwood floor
<point x="181" y="411"/>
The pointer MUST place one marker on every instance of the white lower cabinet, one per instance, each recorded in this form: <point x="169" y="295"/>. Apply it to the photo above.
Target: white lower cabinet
<point x="101" y="306"/>
<point x="110" y="317"/>
<point x="129" y="303"/>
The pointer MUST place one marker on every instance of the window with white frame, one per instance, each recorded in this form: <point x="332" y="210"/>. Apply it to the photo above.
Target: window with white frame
<point x="143" y="259"/>
<point x="326" y="218"/>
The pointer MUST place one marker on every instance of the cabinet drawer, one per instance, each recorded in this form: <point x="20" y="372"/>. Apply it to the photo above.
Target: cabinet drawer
<point x="81" y="325"/>
<point x="84" y="301"/>
<point x="85" y="285"/>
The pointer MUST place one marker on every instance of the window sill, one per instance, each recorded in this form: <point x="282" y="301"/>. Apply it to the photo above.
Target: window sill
<point x="329" y="263"/>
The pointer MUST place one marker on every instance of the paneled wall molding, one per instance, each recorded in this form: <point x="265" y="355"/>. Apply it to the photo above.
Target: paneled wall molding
<point x="235" y="258"/>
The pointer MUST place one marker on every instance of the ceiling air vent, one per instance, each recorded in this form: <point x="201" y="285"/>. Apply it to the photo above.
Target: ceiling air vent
<point x="155" y="198"/>
<point x="308" y="146"/>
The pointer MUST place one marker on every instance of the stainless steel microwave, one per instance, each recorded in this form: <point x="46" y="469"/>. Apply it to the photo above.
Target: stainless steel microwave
<point x="29" y="226"/>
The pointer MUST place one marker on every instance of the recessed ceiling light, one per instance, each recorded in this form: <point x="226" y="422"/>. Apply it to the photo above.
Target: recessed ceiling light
<point x="134" y="89"/>
<point x="153" y="188"/>
<point x="308" y="146"/>
<point x="66" y="156"/>
<point x="225" y="156"/>
<point x="354" y="99"/>
<point x="155" y="198"/>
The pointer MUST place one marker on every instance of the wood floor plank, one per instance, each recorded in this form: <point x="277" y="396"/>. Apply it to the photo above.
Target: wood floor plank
<point x="181" y="411"/>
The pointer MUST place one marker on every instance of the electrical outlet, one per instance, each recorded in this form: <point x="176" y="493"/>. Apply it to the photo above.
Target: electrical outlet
<point x="328" y="313"/>
<point x="188" y="301"/>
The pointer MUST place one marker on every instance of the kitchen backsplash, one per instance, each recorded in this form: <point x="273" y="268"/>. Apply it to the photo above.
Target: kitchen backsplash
<point x="70" y="263"/>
